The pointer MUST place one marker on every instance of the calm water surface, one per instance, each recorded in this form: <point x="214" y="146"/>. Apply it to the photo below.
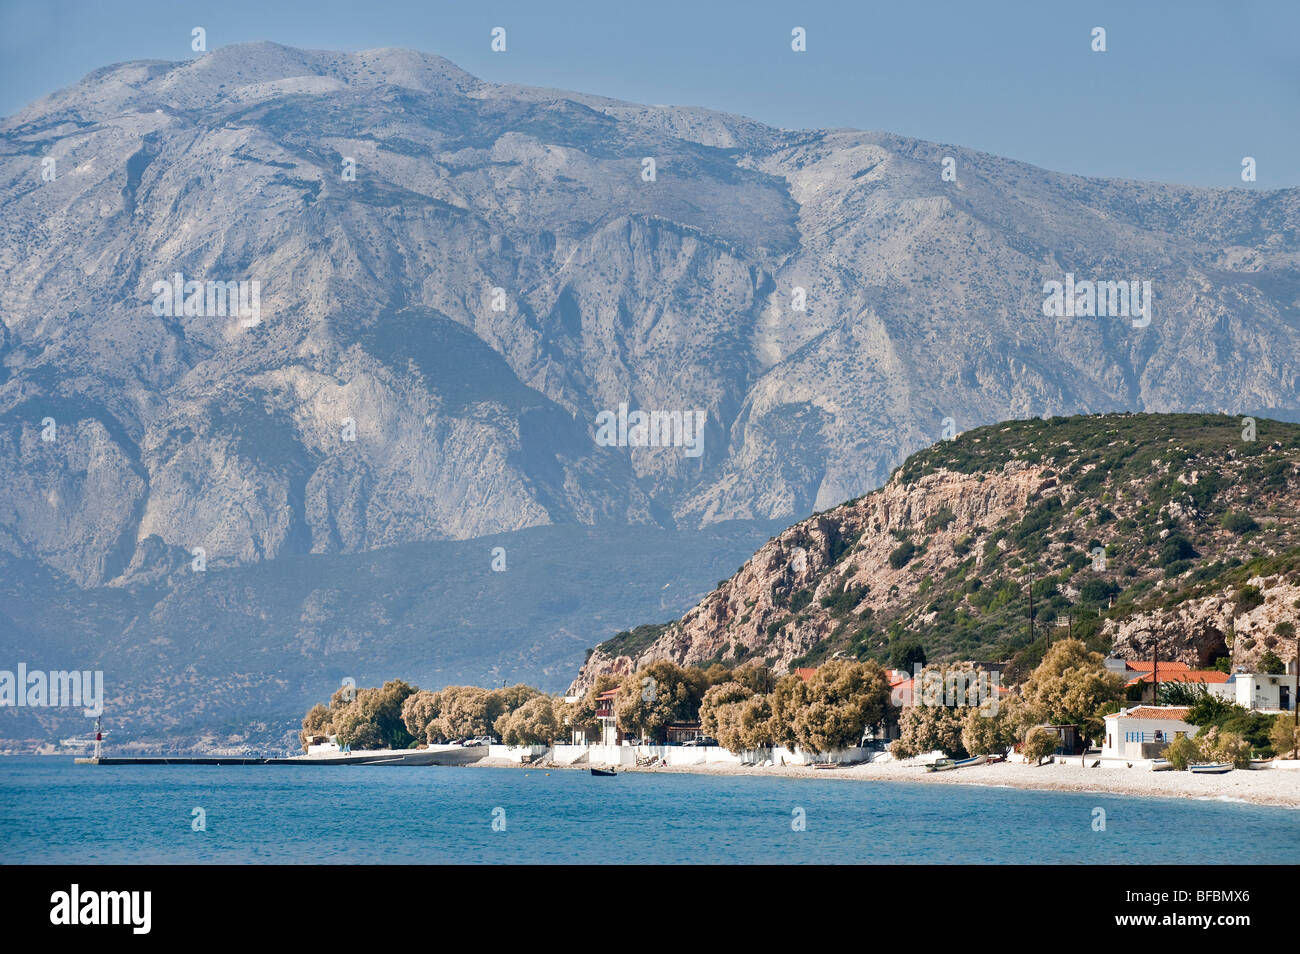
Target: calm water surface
<point x="54" y="811"/>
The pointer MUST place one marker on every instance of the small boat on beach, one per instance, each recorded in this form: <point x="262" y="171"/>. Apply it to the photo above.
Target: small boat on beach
<point x="1211" y="768"/>
<point x="1162" y="765"/>
<point x="600" y="771"/>
<point x="824" y="765"/>
<point x="975" y="760"/>
<point x="942" y="765"/>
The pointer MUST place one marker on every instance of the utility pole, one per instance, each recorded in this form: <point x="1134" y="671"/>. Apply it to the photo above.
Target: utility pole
<point x="1155" y="673"/>
<point x="1031" y="610"/>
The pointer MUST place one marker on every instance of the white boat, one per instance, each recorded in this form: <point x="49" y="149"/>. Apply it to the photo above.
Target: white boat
<point x="1211" y="768"/>
<point x="1162" y="765"/>
<point x="976" y="760"/>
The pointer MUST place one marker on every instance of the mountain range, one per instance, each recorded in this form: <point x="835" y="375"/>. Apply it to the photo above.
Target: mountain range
<point x="454" y="280"/>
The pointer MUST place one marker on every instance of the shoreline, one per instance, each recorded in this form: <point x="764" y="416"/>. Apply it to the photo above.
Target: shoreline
<point x="1272" y="787"/>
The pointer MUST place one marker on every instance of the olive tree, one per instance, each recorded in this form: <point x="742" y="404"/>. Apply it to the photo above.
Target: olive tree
<point x="924" y="729"/>
<point x="533" y="723"/>
<point x="1071" y="686"/>
<point x="657" y="695"/>
<point x="317" y="721"/>
<point x="419" y="709"/>
<point x="720" y="713"/>
<point x="1284" y="737"/>
<point x="843" y="699"/>
<point x="1039" y="744"/>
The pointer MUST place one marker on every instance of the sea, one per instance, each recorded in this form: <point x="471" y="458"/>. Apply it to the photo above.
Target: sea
<point x="53" y="811"/>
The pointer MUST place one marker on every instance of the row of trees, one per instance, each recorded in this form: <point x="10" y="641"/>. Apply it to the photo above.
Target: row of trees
<point x="1071" y="686"/>
<point x="750" y="708"/>
<point x="744" y="708"/>
<point x="398" y="715"/>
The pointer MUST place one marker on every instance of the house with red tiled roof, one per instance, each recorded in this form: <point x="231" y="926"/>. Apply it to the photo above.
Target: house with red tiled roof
<point x="607" y="716"/>
<point x="1142" y="732"/>
<point x="1146" y="665"/>
<point x="1141" y="688"/>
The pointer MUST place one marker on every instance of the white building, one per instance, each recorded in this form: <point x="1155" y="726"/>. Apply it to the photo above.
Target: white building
<point x="1260" y="691"/>
<point x="1142" y="731"/>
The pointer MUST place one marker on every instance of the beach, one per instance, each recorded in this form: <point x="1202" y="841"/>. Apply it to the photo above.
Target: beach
<point x="1271" y="786"/>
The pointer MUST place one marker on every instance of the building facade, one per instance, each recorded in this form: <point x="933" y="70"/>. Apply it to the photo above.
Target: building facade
<point x="1143" y="732"/>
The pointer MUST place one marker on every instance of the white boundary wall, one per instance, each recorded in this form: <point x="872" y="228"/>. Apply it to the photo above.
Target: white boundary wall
<point x="596" y="754"/>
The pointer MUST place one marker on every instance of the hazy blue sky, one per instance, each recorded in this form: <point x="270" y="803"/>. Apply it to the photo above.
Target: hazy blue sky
<point x="1183" y="92"/>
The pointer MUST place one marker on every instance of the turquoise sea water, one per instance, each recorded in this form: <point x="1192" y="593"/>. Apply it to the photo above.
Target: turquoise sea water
<point x="52" y="811"/>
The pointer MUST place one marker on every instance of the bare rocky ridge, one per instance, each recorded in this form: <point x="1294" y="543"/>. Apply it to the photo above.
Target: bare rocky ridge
<point x="1153" y="492"/>
<point x="731" y="623"/>
<point x="923" y="302"/>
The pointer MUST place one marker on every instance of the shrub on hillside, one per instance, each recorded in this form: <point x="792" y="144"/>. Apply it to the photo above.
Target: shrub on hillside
<point x="902" y="555"/>
<point x="1239" y="523"/>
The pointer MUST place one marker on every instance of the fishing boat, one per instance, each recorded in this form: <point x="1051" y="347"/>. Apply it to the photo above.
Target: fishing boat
<point x="1211" y="768"/>
<point x="600" y="771"/>
<point x="1162" y="765"/>
<point x="942" y="765"/>
<point x="976" y="760"/>
<point x="824" y="765"/>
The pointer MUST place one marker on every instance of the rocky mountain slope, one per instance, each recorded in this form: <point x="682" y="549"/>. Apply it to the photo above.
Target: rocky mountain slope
<point x="378" y="294"/>
<point x="456" y="278"/>
<point x="1143" y="532"/>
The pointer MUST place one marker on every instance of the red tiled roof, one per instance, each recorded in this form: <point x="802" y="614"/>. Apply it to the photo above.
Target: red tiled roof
<point x="1142" y="665"/>
<point x="908" y="686"/>
<point x="608" y="694"/>
<point x="1168" y="713"/>
<point x="805" y="674"/>
<point x="1184" y="675"/>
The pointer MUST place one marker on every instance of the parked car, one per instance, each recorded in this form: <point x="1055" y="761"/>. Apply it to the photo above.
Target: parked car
<point x="702" y="740"/>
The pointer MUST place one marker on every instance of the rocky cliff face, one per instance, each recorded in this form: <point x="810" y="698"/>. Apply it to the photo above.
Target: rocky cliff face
<point x="457" y="277"/>
<point x="1134" y="530"/>
<point x="772" y="607"/>
<point x="1201" y="630"/>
